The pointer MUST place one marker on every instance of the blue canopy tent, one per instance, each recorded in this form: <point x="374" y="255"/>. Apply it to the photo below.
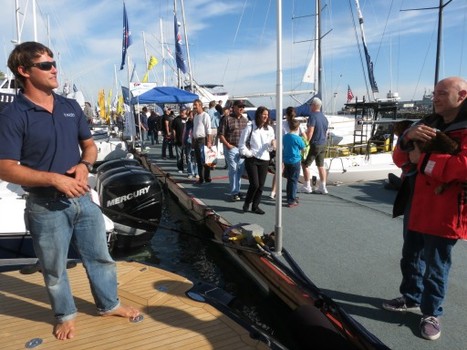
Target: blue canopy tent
<point x="165" y="94"/>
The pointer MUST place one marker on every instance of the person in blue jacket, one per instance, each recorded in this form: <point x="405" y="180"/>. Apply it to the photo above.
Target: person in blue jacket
<point x="293" y="144"/>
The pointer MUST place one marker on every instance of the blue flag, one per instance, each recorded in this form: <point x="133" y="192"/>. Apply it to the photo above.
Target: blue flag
<point x="369" y="64"/>
<point x="178" y="48"/>
<point x="126" y="42"/>
<point x="126" y="95"/>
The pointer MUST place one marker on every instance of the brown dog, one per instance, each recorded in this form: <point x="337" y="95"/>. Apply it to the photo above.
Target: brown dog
<point x="440" y="144"/>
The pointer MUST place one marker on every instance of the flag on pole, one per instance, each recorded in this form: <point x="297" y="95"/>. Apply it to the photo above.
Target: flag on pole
<point x="126" y="95"/>
<point x="350" y="95"/>
<point x="181" y="64"/>
<point x="101" y="104"/>
<point x="126" y="42"/>
<point x="152" y="62"/>
<point x="120" y="108"/>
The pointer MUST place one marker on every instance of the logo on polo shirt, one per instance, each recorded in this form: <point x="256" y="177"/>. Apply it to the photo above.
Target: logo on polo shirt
<point x="69" y="115"/>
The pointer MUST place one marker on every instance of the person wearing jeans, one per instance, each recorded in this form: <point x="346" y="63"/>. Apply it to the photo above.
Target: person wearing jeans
<point x="230" y="129"/>
<point x="52" y="165"/>
<point x="292" y="146"/>
<point x="440" y="190"/>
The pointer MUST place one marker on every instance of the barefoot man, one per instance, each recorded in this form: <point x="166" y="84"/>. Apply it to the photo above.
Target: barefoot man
<point x="41" y="137"/>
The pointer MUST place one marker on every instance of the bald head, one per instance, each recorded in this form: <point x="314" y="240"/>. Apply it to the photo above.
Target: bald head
<point x="448" y="96"/>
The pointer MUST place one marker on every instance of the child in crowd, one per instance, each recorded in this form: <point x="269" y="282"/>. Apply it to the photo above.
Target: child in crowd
<point x="292" y="147"/>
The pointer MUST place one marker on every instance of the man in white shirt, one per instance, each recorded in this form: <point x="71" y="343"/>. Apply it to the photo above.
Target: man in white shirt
<point x="201" y="137"/>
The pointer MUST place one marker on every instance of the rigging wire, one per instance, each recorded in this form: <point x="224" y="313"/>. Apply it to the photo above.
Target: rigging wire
<point x="264" y="24"/>
<point x="381" y="43"/>
<point x="430" y="42"/>
<point x="462" y="45"/>
<point x="234" y="40"/>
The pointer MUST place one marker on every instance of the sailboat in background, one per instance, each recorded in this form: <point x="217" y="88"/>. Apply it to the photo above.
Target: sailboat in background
<point x="352" y="152"/>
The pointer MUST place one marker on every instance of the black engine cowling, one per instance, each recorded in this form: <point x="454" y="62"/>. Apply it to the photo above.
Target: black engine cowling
<point x="131" y="196"/>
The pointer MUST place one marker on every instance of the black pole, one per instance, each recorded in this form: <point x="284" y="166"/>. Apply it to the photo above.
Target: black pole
<point x="320" y="63"/>
<point x="438" y="43"/>
<point x="440" y="9"/>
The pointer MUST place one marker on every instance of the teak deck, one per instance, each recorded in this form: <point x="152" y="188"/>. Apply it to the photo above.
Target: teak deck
<point x="171" y="319"/>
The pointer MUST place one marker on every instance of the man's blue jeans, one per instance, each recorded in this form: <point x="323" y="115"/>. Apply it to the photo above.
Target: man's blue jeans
<point x="236" y="166"/>
<point x="191" y="165"/>
<point x="53" y="224"/>
<point x="426" y="286"/>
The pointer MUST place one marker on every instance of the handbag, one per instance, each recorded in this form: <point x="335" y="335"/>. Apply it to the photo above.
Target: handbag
<point x="210" y="156"/>
<point x="247" y="143"/>
<point x="272" y="157"/>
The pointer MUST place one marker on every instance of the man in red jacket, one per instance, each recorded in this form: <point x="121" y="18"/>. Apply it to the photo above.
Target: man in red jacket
<point x="437" y="219"/>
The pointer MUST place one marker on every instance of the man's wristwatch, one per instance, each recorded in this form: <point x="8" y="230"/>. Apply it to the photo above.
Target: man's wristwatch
<point x="88" y="165"/>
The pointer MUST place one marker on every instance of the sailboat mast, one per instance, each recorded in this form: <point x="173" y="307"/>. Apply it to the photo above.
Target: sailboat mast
<point x="438" y="42"/>
<point x="187" y="47"/>
<point x="319" y="67"/>
<point x="279" y="88"/>
<point x="18" y="31"/>
<point x="440" y="9"/>
<point x="164" y="82"/>
<point x="145" y="48"/>
<point x="34" y="20"/>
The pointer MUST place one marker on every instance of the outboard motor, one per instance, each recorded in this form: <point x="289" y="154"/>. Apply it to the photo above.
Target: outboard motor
<point x="131" y="197"/>
<point x="111" y="167"/>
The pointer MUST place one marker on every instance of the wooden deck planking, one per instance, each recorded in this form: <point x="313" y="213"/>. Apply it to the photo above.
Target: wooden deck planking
<point x="172" y="320"/>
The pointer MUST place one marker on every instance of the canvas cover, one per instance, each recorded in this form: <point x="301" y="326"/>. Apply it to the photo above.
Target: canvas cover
<point x="165" y="94"/>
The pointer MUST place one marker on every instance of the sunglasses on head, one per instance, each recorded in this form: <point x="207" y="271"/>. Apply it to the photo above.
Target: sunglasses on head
<point x="44" y="65"/>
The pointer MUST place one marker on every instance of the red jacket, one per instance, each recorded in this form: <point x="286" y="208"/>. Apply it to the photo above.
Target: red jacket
<point x="439" y="202"/>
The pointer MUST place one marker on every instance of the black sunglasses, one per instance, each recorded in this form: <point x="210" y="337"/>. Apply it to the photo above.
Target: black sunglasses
<point x="45" y="65"/>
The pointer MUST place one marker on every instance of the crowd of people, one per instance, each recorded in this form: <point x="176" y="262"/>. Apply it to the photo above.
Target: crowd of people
<point x="248" y="147"/>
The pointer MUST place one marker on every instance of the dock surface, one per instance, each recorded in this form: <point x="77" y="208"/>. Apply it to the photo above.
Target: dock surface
<point x="172" y="320"/>
<point x="348" y="245"/>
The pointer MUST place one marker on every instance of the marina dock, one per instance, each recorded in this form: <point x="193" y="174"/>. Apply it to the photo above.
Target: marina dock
<point x="172" y="320"/>
<point x="346" y="242"/>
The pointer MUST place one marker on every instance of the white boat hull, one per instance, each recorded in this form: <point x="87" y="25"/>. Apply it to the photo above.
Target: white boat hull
<point x="15" y="240"/>
<point x="357" y="168"/>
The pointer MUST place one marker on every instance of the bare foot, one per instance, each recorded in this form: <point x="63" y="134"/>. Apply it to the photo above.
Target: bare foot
<point x="65" y="330"/>
<point x="124" y="311"/>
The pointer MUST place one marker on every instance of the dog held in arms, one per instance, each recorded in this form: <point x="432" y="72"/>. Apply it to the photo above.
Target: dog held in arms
<point x="441" y="144"/>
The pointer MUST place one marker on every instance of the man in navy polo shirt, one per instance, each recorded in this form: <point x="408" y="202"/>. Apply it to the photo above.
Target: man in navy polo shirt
<point x="46" y="147"/>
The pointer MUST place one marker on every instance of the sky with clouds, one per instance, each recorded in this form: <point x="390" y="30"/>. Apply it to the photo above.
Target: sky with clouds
<point x="234" y="43"/>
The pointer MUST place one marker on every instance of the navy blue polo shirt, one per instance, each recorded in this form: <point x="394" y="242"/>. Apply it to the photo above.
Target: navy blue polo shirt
<point x="320" y="123"/>
<point x="42" y="140"/>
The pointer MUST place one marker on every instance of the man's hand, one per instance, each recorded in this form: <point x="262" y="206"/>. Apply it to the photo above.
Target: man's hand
<point x="421" y="133"/>
<point x="75" y="184"/>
